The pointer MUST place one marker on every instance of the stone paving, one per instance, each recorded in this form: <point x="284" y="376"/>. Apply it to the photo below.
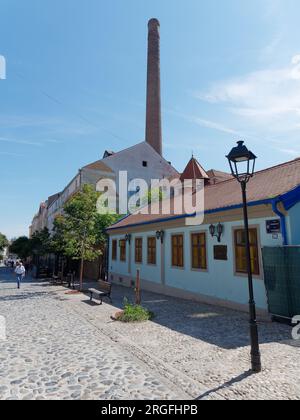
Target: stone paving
<point x="53" y="353"/>
<point x="60" y="346"/>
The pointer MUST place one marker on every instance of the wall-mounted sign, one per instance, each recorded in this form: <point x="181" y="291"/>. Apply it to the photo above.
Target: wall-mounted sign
<point x="273" y="226"/>
<point x="220" y="252"/>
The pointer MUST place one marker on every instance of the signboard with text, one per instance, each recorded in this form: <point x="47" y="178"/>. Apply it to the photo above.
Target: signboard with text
<point x="273" y="226"/>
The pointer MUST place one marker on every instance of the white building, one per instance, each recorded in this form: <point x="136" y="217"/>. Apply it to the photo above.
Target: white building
<point x="139" y="161"/>
<point x="186" y="261"/>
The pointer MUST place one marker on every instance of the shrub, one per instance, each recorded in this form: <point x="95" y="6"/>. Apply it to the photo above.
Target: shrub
<point x="134" y="313"/>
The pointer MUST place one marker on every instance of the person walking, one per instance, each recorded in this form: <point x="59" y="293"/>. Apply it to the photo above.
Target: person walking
<point x="20" y="273"/>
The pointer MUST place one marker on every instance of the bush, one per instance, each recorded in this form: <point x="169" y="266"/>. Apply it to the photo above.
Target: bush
<point x="134" y="313"/>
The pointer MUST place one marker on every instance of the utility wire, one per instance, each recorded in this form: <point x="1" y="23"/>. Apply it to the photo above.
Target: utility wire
<point x="73" y="111"/>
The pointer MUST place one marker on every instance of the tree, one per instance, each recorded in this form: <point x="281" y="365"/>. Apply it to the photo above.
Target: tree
<point x="21" y="247"/>
<point x="40" y="243"/>
<point x="58" y="240"/>
<point x="3" y="242"/>
<point x="80" y="232"/>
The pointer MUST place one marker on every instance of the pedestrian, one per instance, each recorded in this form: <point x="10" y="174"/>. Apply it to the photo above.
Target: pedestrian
<point x="20" y="273"/>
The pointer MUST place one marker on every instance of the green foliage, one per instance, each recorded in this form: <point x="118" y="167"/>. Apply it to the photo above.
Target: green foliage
<point x="80" y="233"/>
<point x="3" y="242"/>
<point x="78" y="227"/>
<point x="155" y="195"/>
<point x="40" y="243"/>
<point x="22" y="247"/>
<point x="58" y="241"/>
<point x="135" y="313"/>
<point x="103" y="221"/>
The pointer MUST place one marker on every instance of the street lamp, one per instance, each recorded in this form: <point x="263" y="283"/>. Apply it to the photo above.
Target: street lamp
<point x="242" y="165"/>
<point x="128" y="237"/>
<point x="160" y="235"/>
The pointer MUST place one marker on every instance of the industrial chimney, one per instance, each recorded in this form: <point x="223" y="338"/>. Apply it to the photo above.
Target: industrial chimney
<point x="153" y="112"/>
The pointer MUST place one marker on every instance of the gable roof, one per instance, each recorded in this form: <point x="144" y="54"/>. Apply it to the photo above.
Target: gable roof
<point x="98" y="166"/>
<point x="106" y="164"/>
<point x="266" y="186"/>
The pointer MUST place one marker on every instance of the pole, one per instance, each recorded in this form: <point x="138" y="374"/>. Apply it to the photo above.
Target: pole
<point x="255" y="353"/>
<point x="138" y="288"/>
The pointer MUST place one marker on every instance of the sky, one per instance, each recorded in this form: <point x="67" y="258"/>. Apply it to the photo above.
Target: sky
<point x="76" y="85"/>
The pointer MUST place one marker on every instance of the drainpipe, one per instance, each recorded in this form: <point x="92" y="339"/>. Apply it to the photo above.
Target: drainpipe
<point x="282" y="219"/>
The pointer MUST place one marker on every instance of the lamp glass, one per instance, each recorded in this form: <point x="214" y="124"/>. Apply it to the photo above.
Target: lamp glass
<point x="242" y="162"/>
<point x="212" y="230"/>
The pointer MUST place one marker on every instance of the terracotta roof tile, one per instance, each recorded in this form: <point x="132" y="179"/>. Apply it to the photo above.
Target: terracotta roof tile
<point x="193" y="170"/>
<point x="218" y="176"/>
<point x="266" y="184"/>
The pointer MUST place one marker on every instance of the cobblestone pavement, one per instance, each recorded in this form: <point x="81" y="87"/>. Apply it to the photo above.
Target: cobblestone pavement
<point x="61" y="346"/>
<point x="54" y="353"/>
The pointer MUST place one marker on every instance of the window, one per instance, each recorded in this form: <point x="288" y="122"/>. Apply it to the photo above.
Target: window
<point x="240" y="251"/>
<point x="199" y="260"/>
<point x="122" y="250"/>
<point x="152" y="250"/>
<point x="139" y="250"/>
<point x="145" y="163"/>
<point x="114" y="250"/>
<point x="177" y="251"/>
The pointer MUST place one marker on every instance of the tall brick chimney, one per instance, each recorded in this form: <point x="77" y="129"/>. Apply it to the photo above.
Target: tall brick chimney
<point x="153" y="113"/>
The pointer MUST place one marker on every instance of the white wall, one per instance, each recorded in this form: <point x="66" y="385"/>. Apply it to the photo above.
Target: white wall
<point x="218" y="282"/>
<point x="131" y="160"/>
<point x="148" y="272"/>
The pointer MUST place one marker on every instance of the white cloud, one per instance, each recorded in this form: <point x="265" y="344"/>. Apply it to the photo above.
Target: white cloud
<point x="262" y="96"/>
<point x="213" y="125"/>
<point x="291" y="152"/>
<point x="16" y="141"/>
<point x="11" y="154"/>
<point x="272" y="48"/>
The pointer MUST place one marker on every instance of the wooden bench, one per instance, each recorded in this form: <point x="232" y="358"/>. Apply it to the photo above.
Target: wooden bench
<point x="105" y="291"/>
<point x="58" y="280"/>
<point x="55" y="280"/>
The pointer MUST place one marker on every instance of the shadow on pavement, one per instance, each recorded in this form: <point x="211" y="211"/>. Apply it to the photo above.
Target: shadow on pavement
<point x="222" y="327"/>
<point x="226" y="385"/>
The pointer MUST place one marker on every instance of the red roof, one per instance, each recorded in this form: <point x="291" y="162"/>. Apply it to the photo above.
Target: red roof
<point x="266" y="184"/>
<point x="194" y="170"/>
<point x="218" y="176"/>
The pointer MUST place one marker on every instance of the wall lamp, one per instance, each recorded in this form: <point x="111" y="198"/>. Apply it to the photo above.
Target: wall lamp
<point x="160" y="235"/>
<point x="216" y="231"/>
<point x="128" y="238"/>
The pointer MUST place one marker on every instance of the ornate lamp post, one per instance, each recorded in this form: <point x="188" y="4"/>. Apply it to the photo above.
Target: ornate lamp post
<point x="242" y="165"/>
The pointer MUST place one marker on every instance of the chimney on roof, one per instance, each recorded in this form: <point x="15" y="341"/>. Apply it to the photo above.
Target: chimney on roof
<point x="153" y="112"/>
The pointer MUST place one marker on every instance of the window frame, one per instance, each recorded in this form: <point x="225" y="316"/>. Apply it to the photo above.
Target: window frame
<point x="173" y="263"/>
<point x="123" y="241"/>
<point x="140" y="250"/>
<point x="192" y="234"/>
<point x="150" y="238"/>
<point x="114" y="249"/>
<point x="257" y="272"/>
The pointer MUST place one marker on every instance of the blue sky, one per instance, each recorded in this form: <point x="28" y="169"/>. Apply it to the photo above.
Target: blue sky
<point x="76" y="77"/>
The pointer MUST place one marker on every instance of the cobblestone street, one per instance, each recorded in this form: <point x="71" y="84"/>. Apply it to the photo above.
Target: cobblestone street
<point x="61" y="347"/>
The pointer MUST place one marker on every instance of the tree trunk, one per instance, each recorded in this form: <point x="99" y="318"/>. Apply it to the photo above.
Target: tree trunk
<point x="81" y="274"/>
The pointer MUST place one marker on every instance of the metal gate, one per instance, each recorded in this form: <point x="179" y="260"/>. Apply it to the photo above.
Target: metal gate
<point x="282" y="280"/>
